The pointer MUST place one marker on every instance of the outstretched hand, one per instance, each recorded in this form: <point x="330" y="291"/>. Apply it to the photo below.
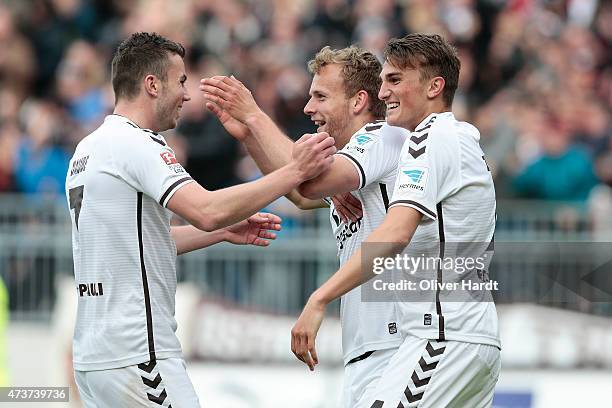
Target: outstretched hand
<point x="255" y="230"/>
<point x="231" y="95"/>
<point x="234" y="127"/>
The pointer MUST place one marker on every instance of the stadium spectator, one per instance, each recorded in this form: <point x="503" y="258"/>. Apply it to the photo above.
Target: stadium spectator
<point x="563" y="171"/>
<point x="17" y="67"/>
<point x="80" y="80"/>
<point x="40" y="164"/>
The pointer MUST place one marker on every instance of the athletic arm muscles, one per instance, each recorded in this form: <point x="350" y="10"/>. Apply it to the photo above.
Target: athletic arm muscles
<point x="341" y="177"/>
<point x="211" y="210"/>
<point x="271" y="149"/>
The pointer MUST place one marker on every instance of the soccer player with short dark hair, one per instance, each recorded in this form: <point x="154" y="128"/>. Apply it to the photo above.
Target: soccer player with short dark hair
<point x="123" y="183"/>
<point x="444" y="195"/>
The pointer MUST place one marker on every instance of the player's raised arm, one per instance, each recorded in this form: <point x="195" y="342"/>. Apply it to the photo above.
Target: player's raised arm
<point x="236" y="109"/>
<point x="270" y="147"/>
<point x="211" y="210"/>
<point x="268" y="158"/>
<point x="233" y="103"/>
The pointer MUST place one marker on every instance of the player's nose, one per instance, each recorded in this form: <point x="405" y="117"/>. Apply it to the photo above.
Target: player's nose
<point x="383" y="93"/>
<point x="309" y="108"/>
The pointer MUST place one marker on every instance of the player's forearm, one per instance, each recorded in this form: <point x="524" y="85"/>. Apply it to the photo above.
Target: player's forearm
<point x="267" y="161"/>
<point x="340" y="178"/>
<point x="304" y="203"/>
<point x="268" y="145"/>
<point x="387" y="240"/>
<point x="275" y="156"/>
<point x="233" y="204"/>
<point x="188" y="238"/>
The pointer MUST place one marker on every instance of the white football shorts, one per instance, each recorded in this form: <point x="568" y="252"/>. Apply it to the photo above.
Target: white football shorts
<point x="163" y="383"/>
<point x="432" y="374"/>
<point x="361" y="375"/>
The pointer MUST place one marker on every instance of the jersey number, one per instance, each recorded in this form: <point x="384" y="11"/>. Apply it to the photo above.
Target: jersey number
<point x="75" y="196"/>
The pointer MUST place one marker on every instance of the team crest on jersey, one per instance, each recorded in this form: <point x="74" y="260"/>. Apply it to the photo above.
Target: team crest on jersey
<point x="413" y="178"/>
<point x="168" y="158"/>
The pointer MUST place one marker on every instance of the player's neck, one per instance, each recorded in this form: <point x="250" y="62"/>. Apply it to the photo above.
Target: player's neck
<point x="357" y="123"/>
<point x="137" y="112"/>
<point x="352" y="127"/>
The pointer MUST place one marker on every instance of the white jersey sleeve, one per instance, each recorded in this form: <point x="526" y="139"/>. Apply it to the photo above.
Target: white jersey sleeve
<point x="370" y="154"/>
<point x="151" y="168"/>
<point x="428" y="170"/>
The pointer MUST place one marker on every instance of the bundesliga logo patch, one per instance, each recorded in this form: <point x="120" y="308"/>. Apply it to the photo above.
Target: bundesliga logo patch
<point x="168" y="158"/>
<point x="413" y="178"/>
<point x="364" y="141"/>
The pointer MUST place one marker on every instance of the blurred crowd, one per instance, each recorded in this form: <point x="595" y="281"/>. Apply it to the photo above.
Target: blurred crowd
<point x="536" y="80"/>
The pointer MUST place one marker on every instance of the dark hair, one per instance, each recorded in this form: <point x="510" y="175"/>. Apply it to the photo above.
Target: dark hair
<point x="360" y="71"/>
<point x="431" y="54"/>
<point x="139" y="55"/>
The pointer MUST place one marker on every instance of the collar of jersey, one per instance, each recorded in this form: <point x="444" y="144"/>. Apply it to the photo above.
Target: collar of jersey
<point x="428" y="118"/>
<point x="116" y="115"/>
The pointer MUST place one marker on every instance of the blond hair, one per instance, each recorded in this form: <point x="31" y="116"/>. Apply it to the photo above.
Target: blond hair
<point x="360" y="71"/>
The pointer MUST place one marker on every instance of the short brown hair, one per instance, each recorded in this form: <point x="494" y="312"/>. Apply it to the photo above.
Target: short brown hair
<point x="139" y="55"/>
<point x="360" y="71"/>
<point x="431" y="54"/>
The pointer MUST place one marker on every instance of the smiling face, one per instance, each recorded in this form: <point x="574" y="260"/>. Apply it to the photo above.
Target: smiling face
<point x="405" y="95"/>
<point x="328" y="106"/>
<point x="173" y="94"/>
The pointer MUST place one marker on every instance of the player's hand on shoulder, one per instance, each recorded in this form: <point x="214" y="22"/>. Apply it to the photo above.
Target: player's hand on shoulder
<point x="231" y="95"/>
<point x="313" y="154"/>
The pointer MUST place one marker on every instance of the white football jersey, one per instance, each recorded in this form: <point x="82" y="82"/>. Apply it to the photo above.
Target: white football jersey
<point x="443" y="175"/>
<point x="118" y="184"/>
<point x="374" y="150"/>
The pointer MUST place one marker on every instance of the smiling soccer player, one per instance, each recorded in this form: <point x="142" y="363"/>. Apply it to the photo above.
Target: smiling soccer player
<point x="444" y="193"/>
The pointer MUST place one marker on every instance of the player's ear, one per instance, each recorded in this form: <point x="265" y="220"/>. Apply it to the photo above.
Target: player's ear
<point x="152" y="85"/>
<point x="436" y="86"/>
<point x="360" y="101"/>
